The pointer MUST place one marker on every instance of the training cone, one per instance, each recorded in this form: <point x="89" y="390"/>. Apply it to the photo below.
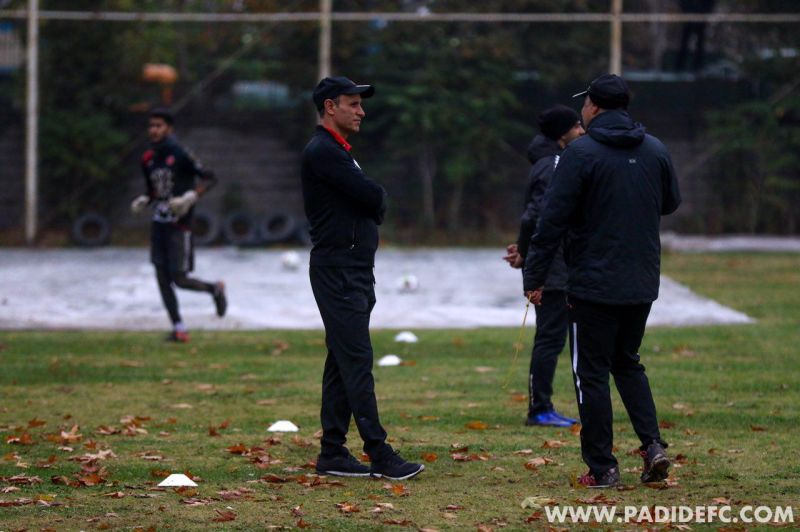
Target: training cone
<point x="177" y="480"/>
<point x="389" y="360"/>
<point x="406" y="337"/>
<point x="283" y="426"/>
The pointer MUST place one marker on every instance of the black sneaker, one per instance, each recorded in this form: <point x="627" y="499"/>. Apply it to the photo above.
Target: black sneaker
<point x="180" y="337"/>
<point x="656" y="463"/>
<point x="609" y="479"/>
<point x="341" y="465"/>
<point x="393" y="467"/>
<point x="219" y="299"/>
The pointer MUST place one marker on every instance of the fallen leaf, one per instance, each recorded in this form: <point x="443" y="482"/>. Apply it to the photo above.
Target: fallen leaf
<point x="399" y="522"/>
<point x="398" y="489"/>
<point x="223" y="516"/>
<point x="274" y="479"/>
<point x="575" y="429"/>
<point x="22" y="439"/>
<point x="553" y="444"/>
<point x="666" y="424"/>
<point x="477" y="425"/>
<point x="757" y="428"/>
<point x="453" y="507"/>
<point x="114" y="495"/>
<point x="429" y="418"/>
<point x="523" y="452"/>
<point x="721" y="500"/>
<point x="239" y="448"/>
<point x="301" y="442"/>
<point x="536" y="502"/>
<point x="181" y="406"/>
<point x="297" y="511"/>
<point x="347" y="508"/>
<point x="484" y="369"/>
<point x="429" y="457"/>
<point x="33" y="423"/>
<point x="600" y="498"/>
<point x="519" y="397"/>
<point x="303" y="524"/>
<point x="534" y="463"/>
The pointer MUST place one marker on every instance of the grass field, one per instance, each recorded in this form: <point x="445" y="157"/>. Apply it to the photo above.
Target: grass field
<point x="727" y="398"/>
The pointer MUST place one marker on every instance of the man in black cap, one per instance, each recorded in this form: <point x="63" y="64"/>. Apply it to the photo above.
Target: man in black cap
<point x="344" y="208"/>
<point x="559" y="125"/>
<point x="608" y="193"/>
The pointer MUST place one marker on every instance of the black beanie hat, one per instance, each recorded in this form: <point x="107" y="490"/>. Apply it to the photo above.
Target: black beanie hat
<point x="556" y="121"/>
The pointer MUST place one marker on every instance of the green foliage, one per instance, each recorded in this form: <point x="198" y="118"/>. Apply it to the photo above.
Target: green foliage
<point x="758" y="165"/>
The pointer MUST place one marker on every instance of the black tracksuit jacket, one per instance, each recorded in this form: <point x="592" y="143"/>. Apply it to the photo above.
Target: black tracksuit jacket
<point x="543" y="153"/>
<point x="609" y="190"/>
<point x="343" y="206"/>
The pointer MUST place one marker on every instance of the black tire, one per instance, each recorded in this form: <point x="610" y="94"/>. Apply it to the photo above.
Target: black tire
<point x="239" y="229"/>
<point x="91" y="230"/>
<point x="278" y="227"/>
<point x="205" y="228"/>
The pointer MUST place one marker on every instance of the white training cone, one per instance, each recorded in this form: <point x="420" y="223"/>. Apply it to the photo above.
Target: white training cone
<point x="283" y="426"/>
<point x="177" y="480"/>
<point x="389" y="360"/>
<point x="406" y="337"/>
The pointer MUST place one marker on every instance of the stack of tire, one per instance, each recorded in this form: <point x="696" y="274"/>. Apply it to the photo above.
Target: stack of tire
<point x="237" y="228"/>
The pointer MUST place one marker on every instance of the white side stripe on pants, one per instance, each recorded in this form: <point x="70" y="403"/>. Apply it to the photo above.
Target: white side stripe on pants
<point x="187" y="246"/>
<point x="575" y="362"/>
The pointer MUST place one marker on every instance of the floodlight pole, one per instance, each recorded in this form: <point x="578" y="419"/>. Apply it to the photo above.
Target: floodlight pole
<point x="32" y="123"/>
<point x="615" y="66"/>
<point x="325" y="9"/>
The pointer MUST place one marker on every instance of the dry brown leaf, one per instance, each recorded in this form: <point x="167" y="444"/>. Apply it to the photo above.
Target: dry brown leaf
<point x="33" y="423"/>
<point x="666" y="424"/>
<point x="519" y="397"/>
<point x="224" y="516"/>
<point x="239" y="448"/>
<point x="536" y="462"/>
<point x="275" y="479"/>
<point x="523" y="452"/>
<point x="428" y="418"/>
<point x="303" y="524"/>
<point x="297" y="511"/>
<point x="429" y="457"/>
<point x="301" y="442"/>
<point x="757" y="428"/>
<point x="477" y="425"/>
<point x="453" y="507"/>
<point x="399" y="522"/>
<point x="347" y="508"/>
<point x="114" y="495"/>
<point x="553" y="444"/>
<point x="22" y="439"/>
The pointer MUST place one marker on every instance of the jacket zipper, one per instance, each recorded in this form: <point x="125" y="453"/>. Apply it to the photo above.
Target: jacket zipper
<point x="353" y="240"/>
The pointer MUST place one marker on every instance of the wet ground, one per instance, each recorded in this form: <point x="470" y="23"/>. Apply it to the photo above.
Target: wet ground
<point x="114" y="288"/>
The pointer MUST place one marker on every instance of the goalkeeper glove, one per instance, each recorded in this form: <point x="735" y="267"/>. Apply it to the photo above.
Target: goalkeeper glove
<point x="139" y="203"/>
<point x="180" y="205"/>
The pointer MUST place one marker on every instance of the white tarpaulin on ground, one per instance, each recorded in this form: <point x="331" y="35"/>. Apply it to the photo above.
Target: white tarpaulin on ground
<point x="114" y="288"/>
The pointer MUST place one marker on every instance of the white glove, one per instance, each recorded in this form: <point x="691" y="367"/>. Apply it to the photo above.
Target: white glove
<point x="180" y="205"/>
<point x="139" y="203"/>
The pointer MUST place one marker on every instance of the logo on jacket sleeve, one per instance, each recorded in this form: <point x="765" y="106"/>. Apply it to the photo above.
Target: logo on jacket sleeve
<point x="170" y="160"/>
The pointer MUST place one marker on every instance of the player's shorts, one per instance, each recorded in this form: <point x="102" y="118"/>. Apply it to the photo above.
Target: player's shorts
<point x="172" y="247"/>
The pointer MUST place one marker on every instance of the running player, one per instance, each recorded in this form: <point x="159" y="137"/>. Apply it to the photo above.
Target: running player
<point x="174" y="181"/>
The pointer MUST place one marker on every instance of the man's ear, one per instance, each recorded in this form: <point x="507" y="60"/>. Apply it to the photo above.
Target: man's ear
<point x="329" y="105"/>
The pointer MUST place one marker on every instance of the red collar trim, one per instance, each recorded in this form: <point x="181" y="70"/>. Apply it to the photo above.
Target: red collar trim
<point x="338" y="138"/>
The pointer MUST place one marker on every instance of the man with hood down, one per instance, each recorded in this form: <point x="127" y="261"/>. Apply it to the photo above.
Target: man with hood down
<point x="559" y="125"/>
<point x="609" y="191"/>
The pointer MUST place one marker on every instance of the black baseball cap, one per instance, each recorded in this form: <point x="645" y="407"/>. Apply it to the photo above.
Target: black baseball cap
<point x="331" y="87"/>
<point x="609" y="91"/>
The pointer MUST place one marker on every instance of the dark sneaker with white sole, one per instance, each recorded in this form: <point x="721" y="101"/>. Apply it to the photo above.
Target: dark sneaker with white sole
<point x="341" y="465"/>
<point x="609" y="479"/>
<point x="656" y="463"/>
<point x="220" y="301"/>
<point x="393" y="467"/>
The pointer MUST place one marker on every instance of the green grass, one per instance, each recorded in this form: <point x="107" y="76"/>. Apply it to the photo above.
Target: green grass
<point x="729" y="395"/>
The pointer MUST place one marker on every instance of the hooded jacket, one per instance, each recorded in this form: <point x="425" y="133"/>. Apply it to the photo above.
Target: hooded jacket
<point x="343" y="206"/>
<point x="610" y="189"/>
<point x="543" y="153"/>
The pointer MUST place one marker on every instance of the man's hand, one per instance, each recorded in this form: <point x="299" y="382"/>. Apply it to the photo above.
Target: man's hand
<point x="180" y="205"/>
<point x="535" y="296"/>
<point x="139" y="203"/>
<point x="513" y="258"/>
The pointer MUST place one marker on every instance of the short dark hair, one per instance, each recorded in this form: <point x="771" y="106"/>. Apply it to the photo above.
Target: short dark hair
<point x="164" y="114"/>
<point x="321" y="110"/>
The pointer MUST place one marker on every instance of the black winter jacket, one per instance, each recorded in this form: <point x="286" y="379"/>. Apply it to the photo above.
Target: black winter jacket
<point x="543" y="154"/>
<point x="610" y="189"/>
<point x="343" y="206"/>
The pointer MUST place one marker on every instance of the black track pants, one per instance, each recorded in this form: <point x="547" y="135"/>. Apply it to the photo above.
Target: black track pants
<point x="345" y="297"/>
<point x="605" y="339"/>
<point x="551" y="334"/>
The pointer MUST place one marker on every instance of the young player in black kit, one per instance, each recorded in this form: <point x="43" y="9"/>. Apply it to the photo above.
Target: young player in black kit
<point x="174" y="181"/>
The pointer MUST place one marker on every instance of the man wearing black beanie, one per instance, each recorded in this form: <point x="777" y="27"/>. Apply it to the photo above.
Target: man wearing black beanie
<point x="559" y="125"/>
